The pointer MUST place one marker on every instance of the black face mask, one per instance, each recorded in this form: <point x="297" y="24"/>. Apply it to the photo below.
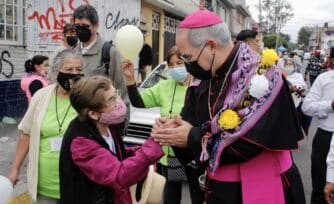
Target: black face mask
<point x="65" y="79"/>
<point x="71" y="40"/>
<point x="197" y="71"/>
<point x="83" y="33"/>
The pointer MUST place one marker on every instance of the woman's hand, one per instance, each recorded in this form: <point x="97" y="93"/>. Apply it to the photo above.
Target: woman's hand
<point x="128" y="71"/>
<point x="14" y="175"/>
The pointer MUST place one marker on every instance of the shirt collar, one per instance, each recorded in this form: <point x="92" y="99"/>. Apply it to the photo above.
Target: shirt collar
<point x="85" y="49"/>
<point x="222" y="70"/>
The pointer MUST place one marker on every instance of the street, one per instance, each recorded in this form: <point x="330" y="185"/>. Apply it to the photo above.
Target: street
<point x="7" y="152"/>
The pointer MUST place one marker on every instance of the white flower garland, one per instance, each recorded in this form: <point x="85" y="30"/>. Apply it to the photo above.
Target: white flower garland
<point x="259" y="86"/>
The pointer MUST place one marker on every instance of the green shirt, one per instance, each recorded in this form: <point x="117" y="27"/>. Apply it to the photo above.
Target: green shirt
<point x="48" y="166"/>
<point x="161" y="95"/>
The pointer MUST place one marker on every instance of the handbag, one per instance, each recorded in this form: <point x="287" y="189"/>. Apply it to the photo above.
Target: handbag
<point x="175" y="170"/>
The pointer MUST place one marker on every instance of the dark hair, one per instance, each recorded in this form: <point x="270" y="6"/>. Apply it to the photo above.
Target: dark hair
<point x="173" y="51"/>
<point x="246" y="34"/>
<point x="88" y="93"/>
<point x="68" y="27"/>
<point x="88" y="12"/>
<point x="36" y="60"/>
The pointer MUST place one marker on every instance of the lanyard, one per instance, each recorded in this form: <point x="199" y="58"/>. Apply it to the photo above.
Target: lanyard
<point x="171" y="106"/>
<point x="60" y="123"/>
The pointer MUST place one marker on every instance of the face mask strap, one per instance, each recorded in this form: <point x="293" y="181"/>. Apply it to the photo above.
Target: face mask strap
<point x="201" y="51"/>
<point x="213" y="59"/>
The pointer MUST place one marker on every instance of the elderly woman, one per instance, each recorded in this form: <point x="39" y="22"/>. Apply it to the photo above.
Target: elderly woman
<point x="42" y="129"/>
<point x="95" y="167"/>
<point x="298" y="88"/>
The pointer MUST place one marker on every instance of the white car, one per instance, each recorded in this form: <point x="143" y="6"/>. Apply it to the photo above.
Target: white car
<point x="142" y="119"/>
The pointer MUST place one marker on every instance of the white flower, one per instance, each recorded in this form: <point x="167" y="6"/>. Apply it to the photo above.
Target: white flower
<point x="259" y="86"/>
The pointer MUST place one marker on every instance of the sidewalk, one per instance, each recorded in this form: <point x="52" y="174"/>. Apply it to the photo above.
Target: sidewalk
<point x="7" y="153"/>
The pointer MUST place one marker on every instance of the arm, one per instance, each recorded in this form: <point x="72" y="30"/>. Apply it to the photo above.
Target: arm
<point x="329" y="188"/>
<point x="330" y="163"/>
<point x="131" y="151"/>
<point x="35" y="86"/>
<point x="98" y="164"/>
<point x="313" y="104"/>
<point x="188" y="113"/>
<point x="239" y="151"/>
<point x="23" y="142"/>
<point x="147" y="98"/>
<point x="21" y="153"/>
<point x="135" y="97"/>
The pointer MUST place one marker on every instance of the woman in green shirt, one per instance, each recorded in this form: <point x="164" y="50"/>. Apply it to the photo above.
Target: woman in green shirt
<point x="42" y="129"/>
<point x="169" y="95"/>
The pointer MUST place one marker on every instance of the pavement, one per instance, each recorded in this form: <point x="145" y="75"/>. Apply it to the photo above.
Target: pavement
<point x="7" y="153"/>
<point x="8" y="148"/>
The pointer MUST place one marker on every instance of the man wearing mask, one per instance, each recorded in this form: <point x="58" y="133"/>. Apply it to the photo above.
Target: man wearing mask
<point x="91" y="43"/>
<point x="315" y="66"/>
<point x="228" y="125"/>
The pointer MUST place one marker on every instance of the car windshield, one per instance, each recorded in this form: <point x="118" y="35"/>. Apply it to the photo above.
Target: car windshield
<point x="159" y="73"/>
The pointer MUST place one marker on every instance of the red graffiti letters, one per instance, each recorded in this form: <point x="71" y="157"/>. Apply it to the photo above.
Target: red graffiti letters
<point x="52" y="21"/>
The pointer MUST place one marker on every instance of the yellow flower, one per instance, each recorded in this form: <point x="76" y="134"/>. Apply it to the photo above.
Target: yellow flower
<point x="269" y="57"/>
<point x="228" y="119"/>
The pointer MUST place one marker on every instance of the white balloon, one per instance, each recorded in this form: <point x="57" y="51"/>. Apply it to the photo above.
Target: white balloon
<point x="6" y="189"/>
<point x="129" y="41"/>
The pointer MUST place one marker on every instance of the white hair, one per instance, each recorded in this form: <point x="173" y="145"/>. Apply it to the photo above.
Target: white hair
<point x="218" y="32"/>
<point x="60" y="59"/>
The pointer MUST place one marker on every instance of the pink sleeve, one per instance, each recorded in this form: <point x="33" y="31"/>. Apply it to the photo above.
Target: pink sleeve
<point x="130" y="151"/>
<point x="102" y="167"/>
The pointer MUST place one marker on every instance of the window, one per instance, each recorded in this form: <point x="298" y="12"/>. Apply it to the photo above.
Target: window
<point x="11" y="21"/>
<point x="158" y="74"/>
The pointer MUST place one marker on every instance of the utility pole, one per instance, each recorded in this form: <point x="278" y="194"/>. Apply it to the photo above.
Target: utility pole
<point x="260" y="13"/>
<point x="278" y="22"/>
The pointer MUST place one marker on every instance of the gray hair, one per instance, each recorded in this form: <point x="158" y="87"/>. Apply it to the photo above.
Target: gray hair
<point x="59" y="61"/>
<point x="218" y="32"/>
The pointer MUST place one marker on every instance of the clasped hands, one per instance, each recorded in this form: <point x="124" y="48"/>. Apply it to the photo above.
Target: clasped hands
<point x="172" y="131"/>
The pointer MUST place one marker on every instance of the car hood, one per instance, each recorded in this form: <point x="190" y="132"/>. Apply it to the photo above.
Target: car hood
<point x="144" y="116"/>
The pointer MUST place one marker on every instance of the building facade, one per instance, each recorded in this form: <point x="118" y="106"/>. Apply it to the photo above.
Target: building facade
<point x="29" y="27"/>
<point x="13" y="53"/>
<point x="235" y="14"/>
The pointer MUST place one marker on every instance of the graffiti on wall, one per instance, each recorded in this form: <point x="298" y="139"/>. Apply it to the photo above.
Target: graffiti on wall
<point x="116" y="20"/>
<point x="46" y="20"/>
<point x="52" y="21"/>
<point x="6" y="66"/>
<point x="47" y="17"/>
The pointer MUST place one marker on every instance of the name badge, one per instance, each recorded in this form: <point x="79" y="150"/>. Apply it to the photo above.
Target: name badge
<point x="55" y="144"/>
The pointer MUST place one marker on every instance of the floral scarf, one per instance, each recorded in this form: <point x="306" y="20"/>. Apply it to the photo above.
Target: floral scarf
<point x="247" y="67"/>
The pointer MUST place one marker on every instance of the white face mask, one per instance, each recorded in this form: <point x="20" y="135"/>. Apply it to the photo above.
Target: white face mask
<point x="179" y="74"/>
<point x="289" y="69"/>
